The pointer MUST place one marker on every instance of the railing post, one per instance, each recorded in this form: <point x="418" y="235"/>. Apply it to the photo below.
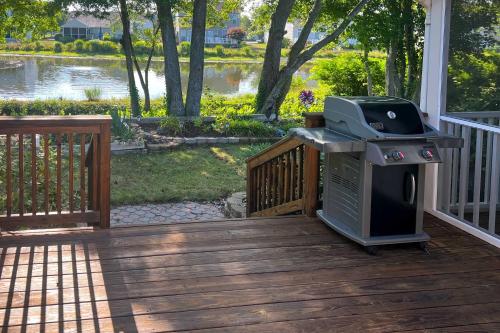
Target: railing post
<point x="311" y="167"/>
<point x="105" y="174"/>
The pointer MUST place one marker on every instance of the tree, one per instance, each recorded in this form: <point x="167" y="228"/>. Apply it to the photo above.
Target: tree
<point x="104" y="8"/>
<point x="201" y="13"/>
<point x="237" y="33"/>
<point x="275" y="84"/>
<point x="21" y="18"/>
<point x="150" y="38"/>
<point x="196" y="58"/>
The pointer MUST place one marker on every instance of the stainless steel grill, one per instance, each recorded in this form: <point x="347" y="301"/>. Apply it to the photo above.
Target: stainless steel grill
<point x="376" y="149"/>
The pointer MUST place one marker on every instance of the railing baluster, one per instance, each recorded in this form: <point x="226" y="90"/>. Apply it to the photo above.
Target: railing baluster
<point x="269" y="184"/>
<point x="58" y="174"/>
<point x="477" y="177"/>
<point x="464" y="172"/>
<point x="34" y="170"/>
<point x="286" y="194"/>
<point x="494" y="180"/>
<point x="301" y="172"/>
<point x="293" y="174"/>
<point x="21" y="174"/>
<point x="71" y="173"/>
<point x="454" y="178"/>
<point x="447" y="174"/>
<point x="262" y="190"/>
<point x="279" y="194"/>
<point x="256" y="206"/>
<point x="82" y="173"/>
<point x="46" y="172"/>
<point x="487" y="172"/>
<point x="9" y="174"/>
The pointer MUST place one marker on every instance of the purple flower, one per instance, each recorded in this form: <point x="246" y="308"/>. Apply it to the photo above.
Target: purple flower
<point x="306" y="97"/>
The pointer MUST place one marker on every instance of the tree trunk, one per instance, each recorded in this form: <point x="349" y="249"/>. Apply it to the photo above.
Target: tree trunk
<point x="173" y="83"/>
<point x="127" y="47"/>
<point x="145" y="79"/>
<point x="411" y="90"/>
<point x="369" y="81"/>
<point x="196" y="59"/>
<point x="282" y="85"/>
<point x="272" y="59"/>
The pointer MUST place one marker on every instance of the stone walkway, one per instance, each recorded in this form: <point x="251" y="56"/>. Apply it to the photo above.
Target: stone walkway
<point x="164" y="213"/>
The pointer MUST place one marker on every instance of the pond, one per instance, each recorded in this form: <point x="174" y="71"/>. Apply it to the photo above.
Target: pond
<point x="51" y="77"/>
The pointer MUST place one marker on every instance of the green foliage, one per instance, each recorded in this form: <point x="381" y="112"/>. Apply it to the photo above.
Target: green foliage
<point x="286" y="43"/>
<point x="23" y="18"/>
<point x="58" y="107"/>
<point x="102" y="47"/>
<point x="346" y="75"/>
<point x="58" y="47"/>
<point x="184" y="49"/>
<point x="219" y="50"/>
<point x="171" y="125"/>
<point x="473" y="82"/>
<point x="93" y="94"/>
<point x="119" y="128"/>
<point x="79" y="45"/>
<point x="241" y="127"/>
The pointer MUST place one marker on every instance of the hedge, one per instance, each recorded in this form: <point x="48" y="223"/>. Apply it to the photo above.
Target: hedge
<point x="58" y="107"/>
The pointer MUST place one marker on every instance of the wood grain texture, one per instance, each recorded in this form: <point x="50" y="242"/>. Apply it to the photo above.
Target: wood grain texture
<point x="290" y="274"/>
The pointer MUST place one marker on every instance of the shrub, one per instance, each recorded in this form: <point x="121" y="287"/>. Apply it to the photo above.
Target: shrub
<point x="58" y="37"/>
<point x="93" y="94"/>
<point x="346" y="75"/>
<point x="141" y="47"/>
<point x="38" y="46"/>
<point x="58" y="47"/>
<point x="247" y="51"/>
<point x="120" y="129"/>
<point x="97" y="46"/>
<point x="171" y="125"/>
<point x="59" y="107"/>
<point x="241" y="127"/>
<point x="79" y="45"/>
<point x="184" y="49"/>
<point x="219" y="50"/>
<point x="28" y="47"/>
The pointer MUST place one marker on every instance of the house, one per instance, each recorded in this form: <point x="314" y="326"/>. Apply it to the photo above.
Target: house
<point x="293" y="30"/>
<point x="88" y="27"/>
<point x="216" y="35"/>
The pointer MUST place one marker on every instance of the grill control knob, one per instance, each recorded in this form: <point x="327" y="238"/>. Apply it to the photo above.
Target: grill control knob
<point x="427" y="154"/>
<point x="398" y="155"/>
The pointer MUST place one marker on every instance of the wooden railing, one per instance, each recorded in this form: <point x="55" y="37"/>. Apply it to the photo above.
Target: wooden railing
<point x="284" y="178"/>
<point x="55" y="171"/>
<point x="469" y="177"/>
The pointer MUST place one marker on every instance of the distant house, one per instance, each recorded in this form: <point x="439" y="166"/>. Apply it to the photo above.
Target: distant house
<point x="87" y="27"/>
<point x="213" y="35"/>
<point x="293" y="31"/>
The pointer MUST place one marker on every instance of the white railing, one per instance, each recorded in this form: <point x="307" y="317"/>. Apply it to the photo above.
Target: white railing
<point x="469" y="177"/>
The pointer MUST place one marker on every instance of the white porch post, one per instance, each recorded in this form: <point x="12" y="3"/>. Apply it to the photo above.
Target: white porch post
<point x="434" y="74"/>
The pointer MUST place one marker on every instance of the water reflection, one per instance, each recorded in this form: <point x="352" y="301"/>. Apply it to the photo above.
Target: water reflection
<point x="42" y="78"/>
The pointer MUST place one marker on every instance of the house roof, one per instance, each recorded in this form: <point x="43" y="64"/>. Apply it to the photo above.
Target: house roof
<point x="86" y="21"/>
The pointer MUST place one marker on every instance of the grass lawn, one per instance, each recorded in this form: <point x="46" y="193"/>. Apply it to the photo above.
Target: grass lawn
<point x="199" y="174"/>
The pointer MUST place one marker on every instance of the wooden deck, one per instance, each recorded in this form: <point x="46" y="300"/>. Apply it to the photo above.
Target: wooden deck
<point x="267" y="275"/>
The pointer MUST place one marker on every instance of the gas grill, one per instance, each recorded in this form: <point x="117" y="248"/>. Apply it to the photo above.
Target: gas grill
<point x="376" y="150"/>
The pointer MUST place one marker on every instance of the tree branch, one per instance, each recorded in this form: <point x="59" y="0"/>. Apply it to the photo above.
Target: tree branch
<point x="299" y="45"/>
<point x="309" y="53"/>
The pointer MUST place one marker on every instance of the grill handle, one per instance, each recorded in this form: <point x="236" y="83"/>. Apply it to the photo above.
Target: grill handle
<point x="413" y="189"/>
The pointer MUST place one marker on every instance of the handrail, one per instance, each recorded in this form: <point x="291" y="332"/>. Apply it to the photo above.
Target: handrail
<point x="475" y="114"/>
<point x="471" y="123"/>
<point x="67" y="181"/>
<point x="284" y="177"/>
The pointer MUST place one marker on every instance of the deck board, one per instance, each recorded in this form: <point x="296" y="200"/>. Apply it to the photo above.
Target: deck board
<point x="288" y="274"/>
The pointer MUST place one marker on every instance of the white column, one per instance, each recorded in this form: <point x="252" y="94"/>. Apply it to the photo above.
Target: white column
<point x="434" y="74"/>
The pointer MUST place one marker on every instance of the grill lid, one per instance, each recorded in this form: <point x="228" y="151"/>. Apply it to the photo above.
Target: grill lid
<point x="375" y="118"/>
